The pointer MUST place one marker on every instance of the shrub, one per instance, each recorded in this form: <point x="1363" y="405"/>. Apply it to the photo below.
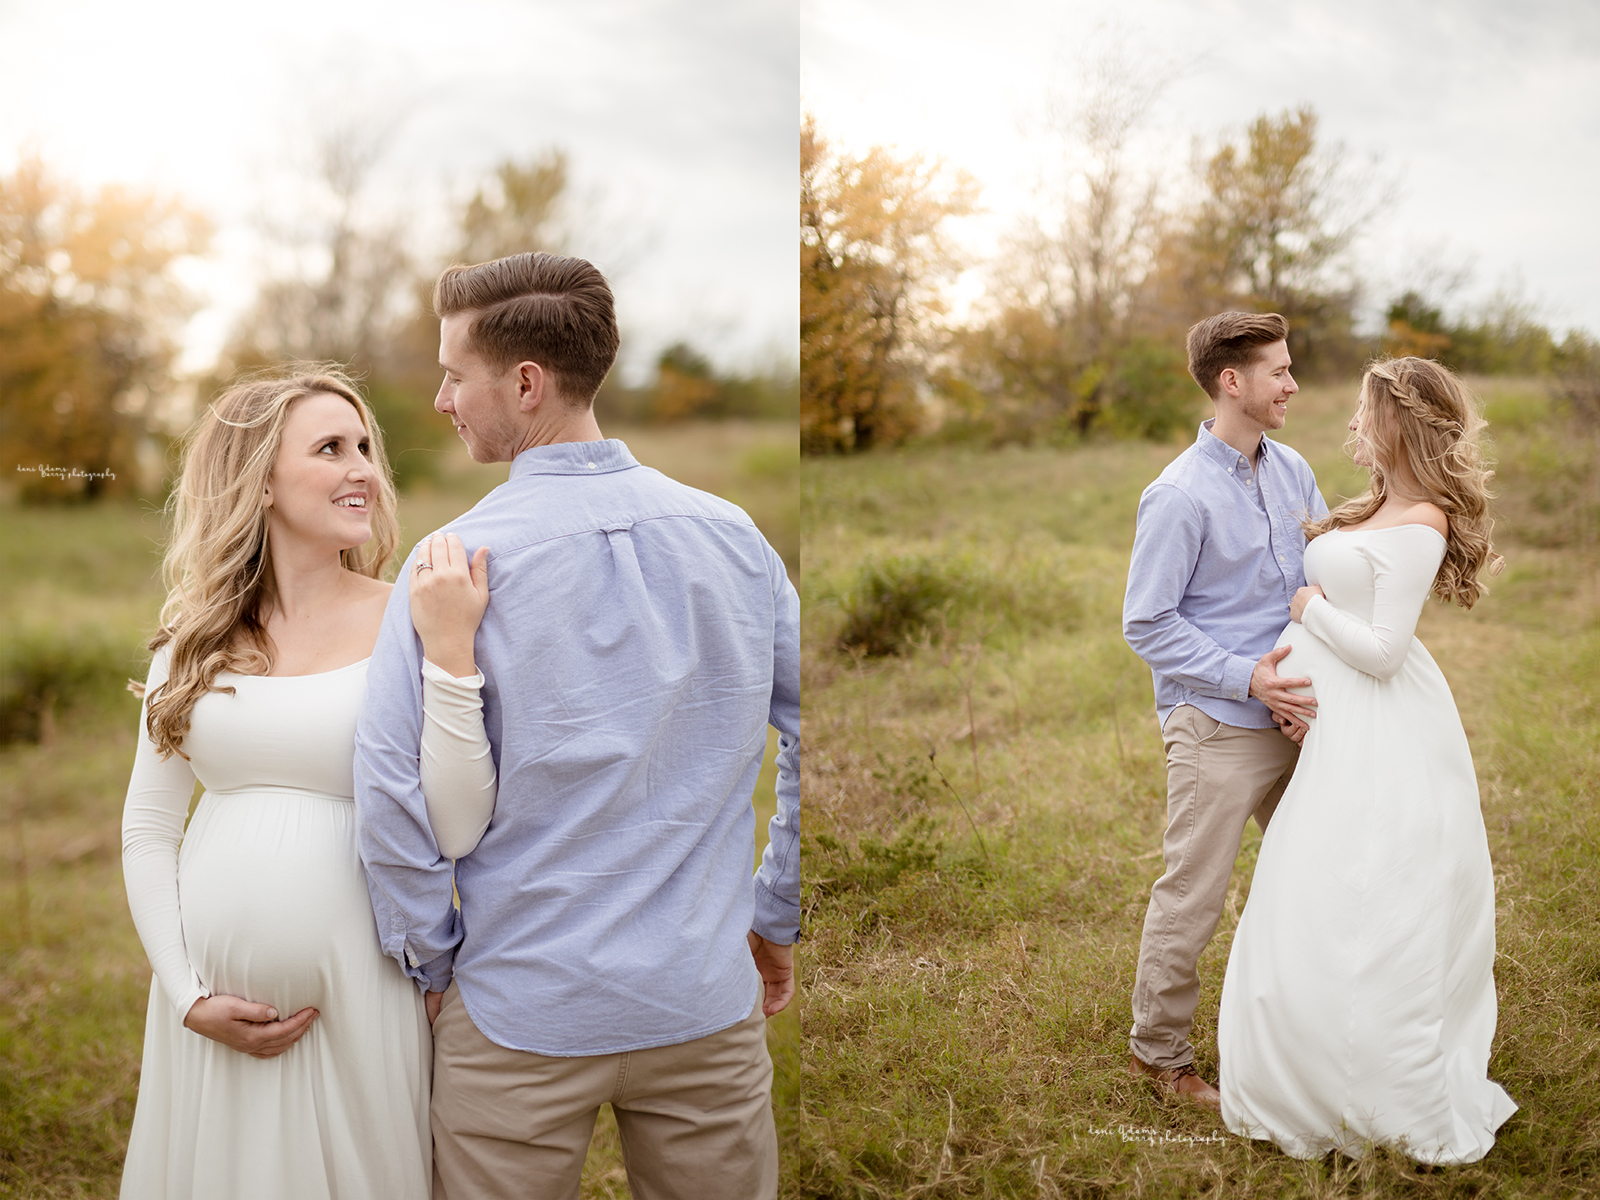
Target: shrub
<point x="1151" y="394"/>
<point x="46" y="668"/>
<point x="895" y="601"/>
<point x="898" y="601"/>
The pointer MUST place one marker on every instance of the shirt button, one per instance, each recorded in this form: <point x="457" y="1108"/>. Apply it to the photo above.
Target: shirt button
<point x="411" y="957"/>
<point x="591" y="466"/>
<point x="1280" y="558"/>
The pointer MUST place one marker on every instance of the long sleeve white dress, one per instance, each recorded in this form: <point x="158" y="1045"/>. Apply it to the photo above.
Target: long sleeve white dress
<point x="263" y="897"/>
<point x="1359" y="1005"/>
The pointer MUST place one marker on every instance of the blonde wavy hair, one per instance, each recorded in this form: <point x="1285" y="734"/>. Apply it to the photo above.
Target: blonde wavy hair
<point x="1417" y="412"/>
<point x="218" y="568"/>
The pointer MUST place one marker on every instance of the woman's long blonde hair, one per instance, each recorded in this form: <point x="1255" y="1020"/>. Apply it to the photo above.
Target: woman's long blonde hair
<point x="218" y="568"/>
<point x="1415" y="411"/>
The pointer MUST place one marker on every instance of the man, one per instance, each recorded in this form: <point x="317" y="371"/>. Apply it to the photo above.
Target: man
<point x="1217" y="556"/>
<point x="610" y="946"/>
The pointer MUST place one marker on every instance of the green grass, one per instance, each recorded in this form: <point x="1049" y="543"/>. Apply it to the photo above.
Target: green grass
<point x="985" y="812"/>
<point x="82" y="592"/>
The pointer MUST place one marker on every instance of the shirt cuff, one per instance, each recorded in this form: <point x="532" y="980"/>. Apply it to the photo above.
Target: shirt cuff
<point x="438" y="674"/>
<point x="433" y="975"/>
<point x="1236" y="678"/>
<point x="776" y="919"/>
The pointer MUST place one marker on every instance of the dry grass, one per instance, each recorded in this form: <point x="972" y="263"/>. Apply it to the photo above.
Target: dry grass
<point x="966" y="1022"/>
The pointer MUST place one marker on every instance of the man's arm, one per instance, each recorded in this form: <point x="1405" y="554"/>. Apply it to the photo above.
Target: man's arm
<point x="407" y="878"/>
<point x="1166" y="548"/>
<point x="776" y="925"/>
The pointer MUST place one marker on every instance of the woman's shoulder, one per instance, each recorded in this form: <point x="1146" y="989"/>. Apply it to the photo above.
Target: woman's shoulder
<point x="376" y="587"/>
<point x="371" y="591"/>
<point x="1427" y="513"/>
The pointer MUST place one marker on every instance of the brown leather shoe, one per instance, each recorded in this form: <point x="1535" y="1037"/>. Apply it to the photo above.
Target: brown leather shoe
<point x="1184" y="1082"/>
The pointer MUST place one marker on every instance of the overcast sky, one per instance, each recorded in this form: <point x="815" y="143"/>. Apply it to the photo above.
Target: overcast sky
<point x="679" y="117"/>
<point x="1486" y="113"/>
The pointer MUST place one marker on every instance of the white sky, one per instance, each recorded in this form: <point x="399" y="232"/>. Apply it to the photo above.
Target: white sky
<point x="679" y="117"/>
<point x="1487" y="112"/>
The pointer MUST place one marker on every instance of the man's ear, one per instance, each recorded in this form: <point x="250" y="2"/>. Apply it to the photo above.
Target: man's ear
<point x="533" y="384"/>
<point x="1230" y="381"/>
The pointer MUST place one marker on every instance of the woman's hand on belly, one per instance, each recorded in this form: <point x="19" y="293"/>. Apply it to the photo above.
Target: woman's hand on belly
<point x="249" y="1028"/>
<point x="1303" y="597"/>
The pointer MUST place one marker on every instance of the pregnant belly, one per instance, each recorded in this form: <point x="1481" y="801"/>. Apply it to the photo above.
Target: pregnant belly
<point x="1309" y="657"/>
<point x="272" y="897"/>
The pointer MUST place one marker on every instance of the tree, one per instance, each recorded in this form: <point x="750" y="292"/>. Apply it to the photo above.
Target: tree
<point x="354" y="295"/>
<point x="1277" y="217"/>
<point x="90" y="309"/>
<point x="519" y="209"/>
<point x="1414" y="328"/>
<point x="689" y="386"/>
<point x="1068" y="293"/>
<point x="685" y="384"/>
<point x="350" y="276"/>
<point x="873" y="255"/>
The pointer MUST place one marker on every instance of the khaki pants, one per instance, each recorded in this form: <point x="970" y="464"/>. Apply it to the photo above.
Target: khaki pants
<point x="695" y="1119"/>
<point x="1218" y="776"/>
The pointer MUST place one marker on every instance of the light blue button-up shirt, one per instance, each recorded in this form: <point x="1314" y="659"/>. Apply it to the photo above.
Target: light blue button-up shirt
<point x="1217" y="556"/>
<point x="639" y="638"/>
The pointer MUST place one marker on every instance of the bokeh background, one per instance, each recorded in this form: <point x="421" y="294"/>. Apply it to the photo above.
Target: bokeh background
<point x="1010" y="215"/>
<point x="188" y="191"/>
<point x="1049" y="194"/>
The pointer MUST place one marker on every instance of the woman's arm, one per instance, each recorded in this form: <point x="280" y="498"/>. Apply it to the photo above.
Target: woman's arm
<point x="448" y="599"/>
<point x="1404" y="563"/>
<point x="458" y="774"/>
<point x="152" y="830"/>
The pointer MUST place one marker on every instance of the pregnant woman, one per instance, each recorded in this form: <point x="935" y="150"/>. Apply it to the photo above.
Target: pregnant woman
<point x="285" y="1055"/>
<point x="1359" y="1003"/>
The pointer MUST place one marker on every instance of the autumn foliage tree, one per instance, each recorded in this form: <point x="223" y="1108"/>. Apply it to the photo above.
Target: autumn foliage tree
<point x="874" y="252"/>
<point x="1277" y="216"/>
<point x="520" y="207"/>
<point x="90" y="308"/>
<point x="354" y="291"/>
<point x="1067" y="347"/>
<point x="1085" y="323"/>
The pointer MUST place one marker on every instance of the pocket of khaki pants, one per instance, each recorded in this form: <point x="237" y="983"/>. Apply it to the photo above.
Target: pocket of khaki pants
<point x="1205" y="728"/>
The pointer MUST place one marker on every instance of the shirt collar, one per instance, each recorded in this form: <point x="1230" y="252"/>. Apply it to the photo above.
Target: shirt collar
<point x="574" y="458"/>
<point x="1220" y="452"/>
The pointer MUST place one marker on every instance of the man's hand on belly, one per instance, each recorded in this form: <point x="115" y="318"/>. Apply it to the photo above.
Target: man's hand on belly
<point x="1274" y="690"/>
<point x="252" y="1029"/>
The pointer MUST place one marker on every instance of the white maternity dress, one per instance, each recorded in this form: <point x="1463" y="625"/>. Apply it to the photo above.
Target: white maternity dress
<point x="266" y="900"/>
<point x="1359" y="1005"/>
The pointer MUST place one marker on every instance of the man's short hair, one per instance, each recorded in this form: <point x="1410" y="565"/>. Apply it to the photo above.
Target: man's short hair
<point x="1230" y="339"/>
<point x="551" y="309"/>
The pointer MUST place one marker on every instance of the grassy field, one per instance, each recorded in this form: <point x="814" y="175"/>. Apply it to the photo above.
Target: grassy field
<point x="985" y="807"/>
<point x="81" y="596"/>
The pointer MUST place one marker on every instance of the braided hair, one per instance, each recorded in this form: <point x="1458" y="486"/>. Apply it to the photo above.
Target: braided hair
<point x="1415" y="411"/>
